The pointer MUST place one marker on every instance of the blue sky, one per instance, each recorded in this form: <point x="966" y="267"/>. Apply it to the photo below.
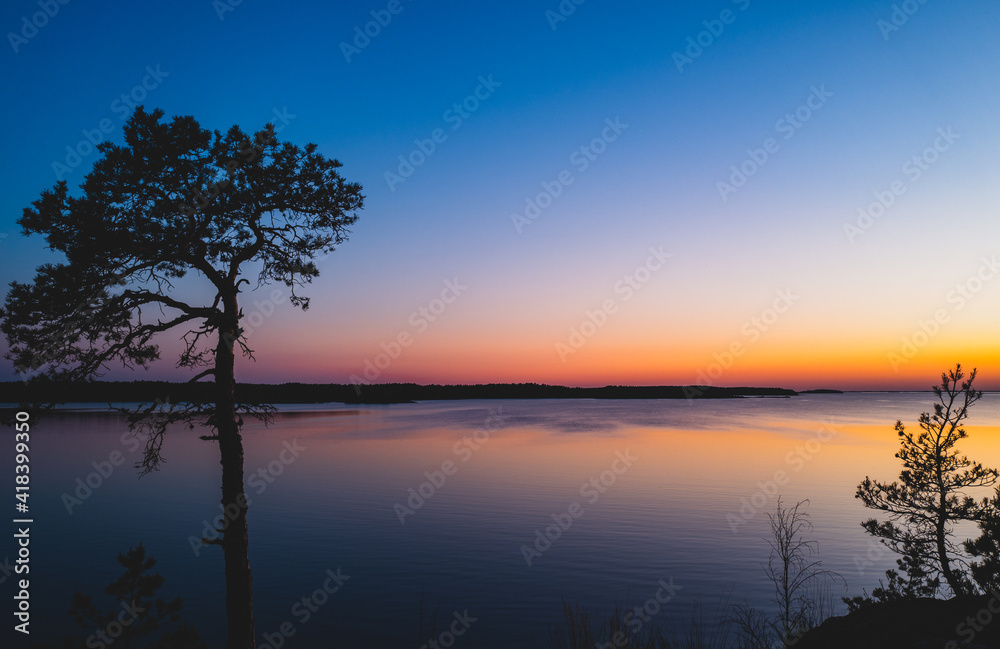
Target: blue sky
<point x="656" y="184"/>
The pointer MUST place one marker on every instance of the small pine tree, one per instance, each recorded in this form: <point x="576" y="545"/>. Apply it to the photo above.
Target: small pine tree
<point x="930" y="497"/>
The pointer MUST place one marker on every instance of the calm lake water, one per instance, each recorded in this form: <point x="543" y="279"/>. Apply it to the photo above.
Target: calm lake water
<point x="679" y="506"/>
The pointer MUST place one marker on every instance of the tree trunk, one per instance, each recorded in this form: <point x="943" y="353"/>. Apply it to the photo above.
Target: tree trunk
<point x="942" y="549"/>
<point x="235" y="542"/>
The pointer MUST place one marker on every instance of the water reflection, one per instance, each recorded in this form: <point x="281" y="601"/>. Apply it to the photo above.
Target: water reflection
<point x="334" y="506"/>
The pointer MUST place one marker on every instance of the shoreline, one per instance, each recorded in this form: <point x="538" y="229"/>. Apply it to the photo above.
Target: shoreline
<point x="384" y="393"/>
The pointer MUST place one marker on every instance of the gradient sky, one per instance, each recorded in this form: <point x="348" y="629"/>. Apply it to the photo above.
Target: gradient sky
<point x="880" y="96"/>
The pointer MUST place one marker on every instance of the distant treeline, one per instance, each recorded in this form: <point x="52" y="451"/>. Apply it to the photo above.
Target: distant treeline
<point x="397" y="392"/>
<point x="150" y="391"/>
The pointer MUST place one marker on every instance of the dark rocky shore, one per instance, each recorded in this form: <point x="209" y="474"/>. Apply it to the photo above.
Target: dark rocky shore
<point x="966" y="623"/>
